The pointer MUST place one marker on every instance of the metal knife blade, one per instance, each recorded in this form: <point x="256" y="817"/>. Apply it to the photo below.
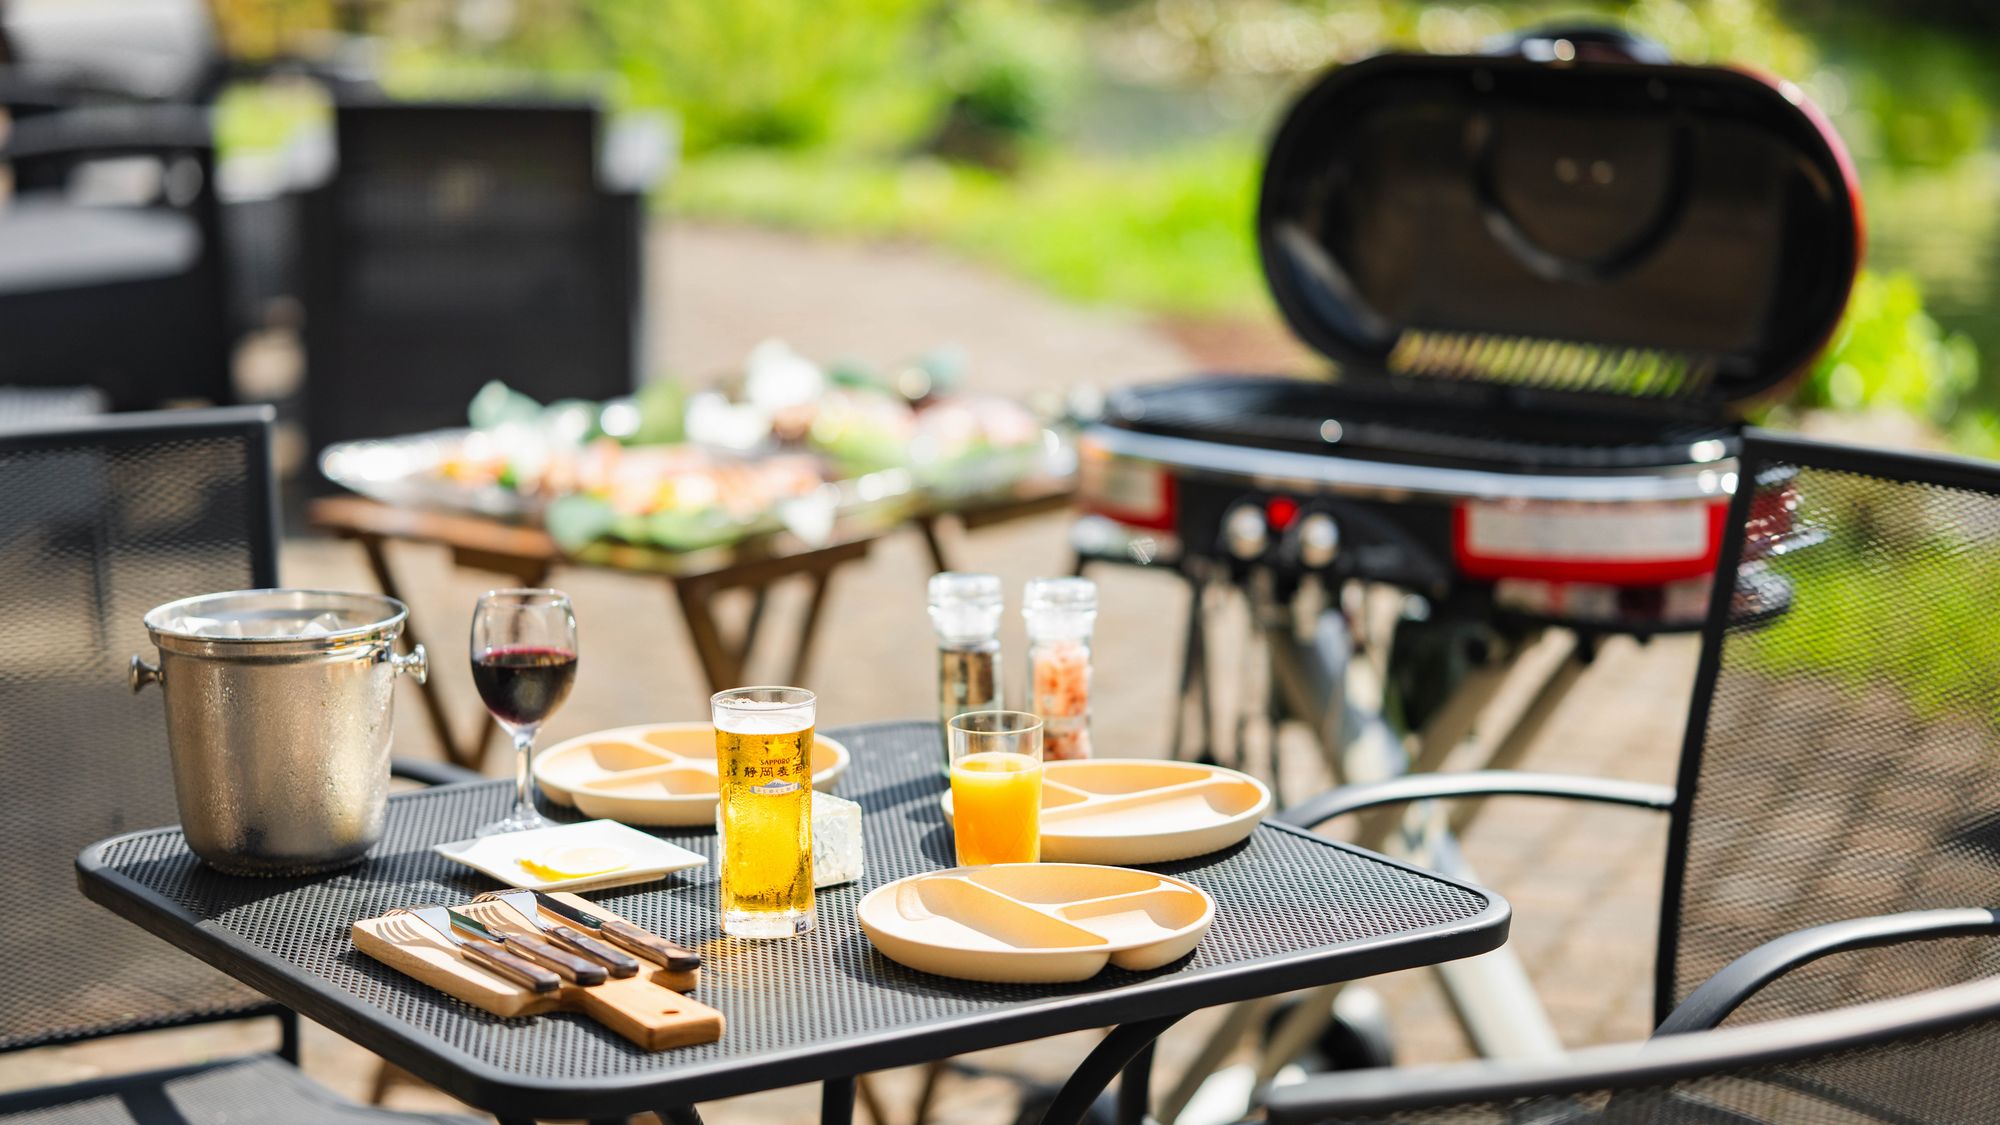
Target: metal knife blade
<point x="567" y="965"/>
<point x="616" y="961"/>
<point x="673" y="958"/>
<point x="520" y="971"/>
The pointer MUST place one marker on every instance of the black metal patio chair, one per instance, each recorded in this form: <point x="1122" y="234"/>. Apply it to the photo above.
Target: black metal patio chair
<point x="1917" y="1060"/>
<point x="111" y="261"/>
<point x="100" y="521"/>
<point x="458" y="243"/>
<point x="1839" y="758"/>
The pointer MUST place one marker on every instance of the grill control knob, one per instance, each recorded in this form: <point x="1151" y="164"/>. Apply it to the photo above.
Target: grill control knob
<point x="1245" y="532"/>
<point x="1319" y="540"/>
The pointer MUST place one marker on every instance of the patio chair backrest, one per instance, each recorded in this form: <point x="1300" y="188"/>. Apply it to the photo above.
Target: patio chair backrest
<point x="1919" y="1060"/>
<point x="1843" y="750"/>
<point x="100" y="522"/>
<point x="461" y="243"/>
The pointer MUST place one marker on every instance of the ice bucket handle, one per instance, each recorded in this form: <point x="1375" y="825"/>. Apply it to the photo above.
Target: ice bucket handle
<point x="142" y="674"/>
<point x="415" y="664"/>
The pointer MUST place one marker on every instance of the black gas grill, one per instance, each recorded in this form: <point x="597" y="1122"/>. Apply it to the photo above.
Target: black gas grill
<point x="1548" y="280"/>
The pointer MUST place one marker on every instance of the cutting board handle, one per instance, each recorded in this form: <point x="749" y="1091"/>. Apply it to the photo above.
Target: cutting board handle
<point x="651" y="1015"/>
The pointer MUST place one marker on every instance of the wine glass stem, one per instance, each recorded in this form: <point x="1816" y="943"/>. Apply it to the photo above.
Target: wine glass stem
<point x="524" y="755"/>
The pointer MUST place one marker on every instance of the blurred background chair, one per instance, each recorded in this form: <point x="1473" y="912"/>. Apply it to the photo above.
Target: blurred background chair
<point x="105" y="519"/>
<point x="1920" y="1060"/>
<point x="459" y="243"/>
<point x="1838" y="756"/>
<point x="111" y="260"/>
<point x="160" y="50"/>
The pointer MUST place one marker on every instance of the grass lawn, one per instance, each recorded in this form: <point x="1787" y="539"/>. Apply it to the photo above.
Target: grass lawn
<point x="1171" y="233"/>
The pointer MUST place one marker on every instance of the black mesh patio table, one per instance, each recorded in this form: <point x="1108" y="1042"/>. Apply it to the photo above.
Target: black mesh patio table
<point x="1292" y="911"/>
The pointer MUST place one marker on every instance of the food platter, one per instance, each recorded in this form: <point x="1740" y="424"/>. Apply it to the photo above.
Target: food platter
<point x="655" y="775"/>
<point x="1035" y="923"/>
<point x="672" y="497"/>
<point x="1129" y="810"/>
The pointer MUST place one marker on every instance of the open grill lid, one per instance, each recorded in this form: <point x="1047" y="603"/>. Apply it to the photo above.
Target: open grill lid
<point x="1561" y="223"/>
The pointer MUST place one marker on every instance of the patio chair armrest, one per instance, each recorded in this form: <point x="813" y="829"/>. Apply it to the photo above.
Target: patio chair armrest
<point x="95" y="131"/>
<point x="1475" y="783"/>
<point x="47" y="84"/>
<point x="431" y="773"/>
<point x="1721" y="994"/>
<point x="22" y="92"/>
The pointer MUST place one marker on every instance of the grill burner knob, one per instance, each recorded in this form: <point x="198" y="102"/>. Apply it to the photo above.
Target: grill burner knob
<point x="1319" y="541"/>
<point x="1245" y="532"/>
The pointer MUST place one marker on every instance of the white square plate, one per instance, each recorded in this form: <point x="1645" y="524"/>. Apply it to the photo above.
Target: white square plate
<point x="498" y="856"/>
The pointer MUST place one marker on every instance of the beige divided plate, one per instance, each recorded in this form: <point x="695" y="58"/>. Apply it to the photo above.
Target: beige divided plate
<point x="1035" y="923"/>
<point x="647" y="857"/>
<point x="659" y="774"/>
<point x="1132" y="810"/>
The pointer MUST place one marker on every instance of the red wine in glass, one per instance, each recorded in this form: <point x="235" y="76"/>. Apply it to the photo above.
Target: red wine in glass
<point x="523" y="661"/>
<point x="524" y="684"/>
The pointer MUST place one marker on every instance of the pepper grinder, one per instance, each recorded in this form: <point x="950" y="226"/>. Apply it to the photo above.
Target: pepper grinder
<point x="965" y="611"/>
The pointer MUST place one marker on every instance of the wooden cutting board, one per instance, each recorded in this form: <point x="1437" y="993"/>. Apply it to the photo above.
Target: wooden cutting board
<point x="649" y="1009"/>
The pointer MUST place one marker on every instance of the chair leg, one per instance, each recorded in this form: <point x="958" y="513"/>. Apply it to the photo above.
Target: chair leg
<point x="288" y="1036"/>
<point x="388" y="1076"/>
<point x="865" y="1093"/>
<point x="933" y="1071"/>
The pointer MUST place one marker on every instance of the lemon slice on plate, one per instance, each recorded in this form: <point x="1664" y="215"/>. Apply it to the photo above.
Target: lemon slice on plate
<point x="578" y="861"/>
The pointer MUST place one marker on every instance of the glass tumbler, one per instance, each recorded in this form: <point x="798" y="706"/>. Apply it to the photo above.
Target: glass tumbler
<point x="996" y="787"/>
<point x="763" y="759"/>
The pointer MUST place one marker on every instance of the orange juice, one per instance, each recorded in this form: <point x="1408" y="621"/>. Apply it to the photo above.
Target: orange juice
<point x="996" y="802"/>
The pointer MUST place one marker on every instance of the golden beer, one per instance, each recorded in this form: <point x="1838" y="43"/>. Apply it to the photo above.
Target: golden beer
<point x="763" y="758"/>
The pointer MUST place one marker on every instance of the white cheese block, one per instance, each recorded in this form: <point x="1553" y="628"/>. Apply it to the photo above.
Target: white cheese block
<point x="836" y="836"/>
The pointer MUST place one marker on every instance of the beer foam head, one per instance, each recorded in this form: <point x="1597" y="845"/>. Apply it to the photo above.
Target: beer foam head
<point x="746" y="717"/>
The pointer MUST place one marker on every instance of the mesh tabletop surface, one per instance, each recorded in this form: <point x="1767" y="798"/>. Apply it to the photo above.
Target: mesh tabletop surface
<point x="1292" y="910"/>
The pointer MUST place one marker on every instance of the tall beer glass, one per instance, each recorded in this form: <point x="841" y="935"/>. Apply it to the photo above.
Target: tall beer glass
<point x="763" y="758"/>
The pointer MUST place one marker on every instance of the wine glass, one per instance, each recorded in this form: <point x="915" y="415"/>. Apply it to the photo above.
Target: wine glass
<point x="524" y="661"/>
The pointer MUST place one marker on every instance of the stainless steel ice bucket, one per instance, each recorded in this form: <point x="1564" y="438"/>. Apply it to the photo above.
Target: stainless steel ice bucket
<point x="278" y="717"/>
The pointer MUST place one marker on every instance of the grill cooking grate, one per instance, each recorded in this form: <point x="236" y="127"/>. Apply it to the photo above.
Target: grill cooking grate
<point x="1560" y="365"/>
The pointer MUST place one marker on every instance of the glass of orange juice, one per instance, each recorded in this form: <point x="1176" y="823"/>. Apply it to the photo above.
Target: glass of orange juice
<point x="996" y="787"/>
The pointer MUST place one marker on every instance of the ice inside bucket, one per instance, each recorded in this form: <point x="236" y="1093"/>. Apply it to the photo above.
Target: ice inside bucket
<point x="274" y="615"/>
<point x="289" y="625"/>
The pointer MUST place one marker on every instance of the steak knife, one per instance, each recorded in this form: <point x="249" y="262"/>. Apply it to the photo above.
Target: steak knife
<point x="502" y="963"/>
<point x="617" y="961"/>
<point x="567" y="965"/>
<point x="671" y="957"/>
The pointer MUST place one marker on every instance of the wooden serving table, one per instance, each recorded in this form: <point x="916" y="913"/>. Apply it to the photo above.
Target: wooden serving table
<point x="527" y="555"/>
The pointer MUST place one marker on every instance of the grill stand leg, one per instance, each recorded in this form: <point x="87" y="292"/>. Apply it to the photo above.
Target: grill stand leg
<point x="1194" y="691"/>
<point x="1488" y="993"/>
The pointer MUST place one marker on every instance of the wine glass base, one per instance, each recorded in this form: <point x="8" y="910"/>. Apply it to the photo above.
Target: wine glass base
<point x="515" y="822"/>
